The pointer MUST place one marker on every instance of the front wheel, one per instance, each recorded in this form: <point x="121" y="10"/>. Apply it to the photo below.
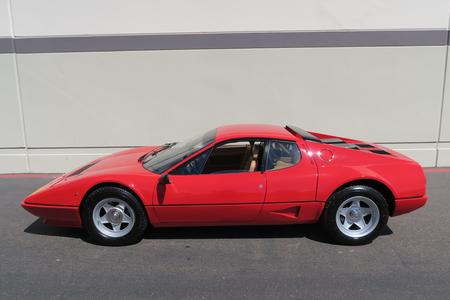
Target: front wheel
<point x="355" y="215"/>
<point x="113" y="216"/>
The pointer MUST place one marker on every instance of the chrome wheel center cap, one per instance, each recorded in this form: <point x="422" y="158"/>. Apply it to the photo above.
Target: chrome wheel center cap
<point x="115" y="216"/>
<point x="354" y="214"/>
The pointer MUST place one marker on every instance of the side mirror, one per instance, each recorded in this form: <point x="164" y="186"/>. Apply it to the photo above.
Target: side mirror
<point x="164" y="179"/>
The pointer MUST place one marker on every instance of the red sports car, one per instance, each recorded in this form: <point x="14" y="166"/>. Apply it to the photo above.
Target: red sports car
<point x="236" y="175"/>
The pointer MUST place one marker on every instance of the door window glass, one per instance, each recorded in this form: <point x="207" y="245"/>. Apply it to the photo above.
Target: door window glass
<point x="282" y="154"/>
<point x="235" y="157"/>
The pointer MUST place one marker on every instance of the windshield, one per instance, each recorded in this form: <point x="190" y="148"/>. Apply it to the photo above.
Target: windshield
<point x="174" y="153"/>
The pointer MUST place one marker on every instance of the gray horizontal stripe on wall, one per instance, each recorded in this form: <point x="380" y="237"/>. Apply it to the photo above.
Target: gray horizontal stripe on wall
<point x="6" y="45"/>
<point x="237" y="40"/>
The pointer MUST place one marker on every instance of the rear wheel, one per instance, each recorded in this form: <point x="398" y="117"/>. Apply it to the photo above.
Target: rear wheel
<point x="355" y="215"/>
<point x="113" y="216"/>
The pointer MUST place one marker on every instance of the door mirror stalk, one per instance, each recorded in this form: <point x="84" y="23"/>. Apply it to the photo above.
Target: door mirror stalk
<point x="164" y="179"/>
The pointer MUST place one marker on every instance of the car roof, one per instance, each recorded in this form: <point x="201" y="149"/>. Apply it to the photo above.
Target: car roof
<point x="253" y="130"/>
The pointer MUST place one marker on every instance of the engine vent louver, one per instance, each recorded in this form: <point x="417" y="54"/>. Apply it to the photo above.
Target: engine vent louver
<point x="379" y="151"/>
<point x="365" y="146"/>
<point x="333" y="141"/>
<point x="345" y="145"/>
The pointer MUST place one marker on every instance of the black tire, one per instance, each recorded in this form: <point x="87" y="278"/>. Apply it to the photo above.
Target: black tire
<point x="95" y="235"/>
<point x="331" y="209"/>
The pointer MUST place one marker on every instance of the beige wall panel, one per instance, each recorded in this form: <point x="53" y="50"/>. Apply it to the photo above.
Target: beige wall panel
<point x="389" y="94"/>
<point x="50" y="17"/>
<point x="10" y="121"/>
<point x="13" y="161"/>
<point x="5" y="22"/>
<point x="64" y="160"/>
<point x="445" y="126"/>
<point x="444" y="155"/>
<point x="425" y="154"/>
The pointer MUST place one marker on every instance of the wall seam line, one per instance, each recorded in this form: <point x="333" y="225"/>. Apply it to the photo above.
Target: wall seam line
<point x="18" y="87"/>
<point x="443" y="95"/>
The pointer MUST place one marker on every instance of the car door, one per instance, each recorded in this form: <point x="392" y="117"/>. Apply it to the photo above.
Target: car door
<point x="221" y="185"/>
<point x="291" y="184"/>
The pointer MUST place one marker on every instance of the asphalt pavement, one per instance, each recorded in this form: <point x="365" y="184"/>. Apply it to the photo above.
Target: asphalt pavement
<point x="411" y="260"/>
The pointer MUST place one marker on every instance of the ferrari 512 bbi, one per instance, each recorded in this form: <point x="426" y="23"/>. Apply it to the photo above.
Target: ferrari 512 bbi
<point x="236" y="175"/>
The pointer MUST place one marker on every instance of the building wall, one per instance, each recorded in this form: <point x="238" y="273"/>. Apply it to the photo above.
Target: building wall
<point x="79" y="79"/>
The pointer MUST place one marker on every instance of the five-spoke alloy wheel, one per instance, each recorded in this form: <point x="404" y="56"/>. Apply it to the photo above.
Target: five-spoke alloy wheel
<point x="113" y="216"/>
<point x="355" y="215"/>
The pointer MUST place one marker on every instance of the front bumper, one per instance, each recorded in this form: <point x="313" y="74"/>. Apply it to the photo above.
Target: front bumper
<point x="406" y="205"/>
<point x="66" y="216"/>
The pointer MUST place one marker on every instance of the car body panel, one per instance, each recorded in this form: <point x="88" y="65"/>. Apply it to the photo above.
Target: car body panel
<point x="287" y="196"/>
<point x="294" y="184"/>
<point x="211" y="198"/>
<point x="290" y="213"/>
<point x="406" y="205"/>
<point x="65" y="216"/>
<point x="403" y="177"/>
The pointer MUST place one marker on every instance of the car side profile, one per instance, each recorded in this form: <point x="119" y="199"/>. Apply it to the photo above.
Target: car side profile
<point x="236" y="175"/>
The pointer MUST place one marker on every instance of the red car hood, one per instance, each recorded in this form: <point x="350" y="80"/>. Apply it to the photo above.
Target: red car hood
<point x="123" y="168"/>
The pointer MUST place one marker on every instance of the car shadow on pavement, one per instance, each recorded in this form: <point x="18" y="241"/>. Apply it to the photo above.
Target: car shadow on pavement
<point x="310" y="231"/>
<point x="39" y="228"/>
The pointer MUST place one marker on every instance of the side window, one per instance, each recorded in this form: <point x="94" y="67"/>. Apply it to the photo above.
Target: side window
<point x="282" y="154"/>
<point x="235" y="157"/>
<point x="193" y="166"/>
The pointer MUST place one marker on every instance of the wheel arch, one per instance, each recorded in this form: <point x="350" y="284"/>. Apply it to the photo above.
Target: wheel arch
<point x="112" y="184"/>
<point x="375" y="184"/>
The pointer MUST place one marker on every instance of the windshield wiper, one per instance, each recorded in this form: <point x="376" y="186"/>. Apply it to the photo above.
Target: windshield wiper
<point x="156" y="151"/>
<point x="168" y="145"/>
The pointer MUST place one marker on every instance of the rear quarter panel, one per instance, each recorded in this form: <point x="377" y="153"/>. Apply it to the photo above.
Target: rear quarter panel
<point x="404" y="177"/>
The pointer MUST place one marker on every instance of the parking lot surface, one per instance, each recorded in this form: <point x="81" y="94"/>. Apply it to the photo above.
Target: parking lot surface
<point x="411" y="260"/>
